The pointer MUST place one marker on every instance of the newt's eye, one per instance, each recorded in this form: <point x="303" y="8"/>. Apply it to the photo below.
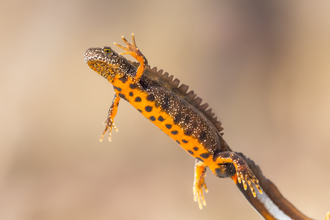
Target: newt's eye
<point x="107" y="50"/>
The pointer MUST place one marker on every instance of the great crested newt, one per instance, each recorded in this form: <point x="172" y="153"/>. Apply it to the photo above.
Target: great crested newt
<point x="177" y="112"/>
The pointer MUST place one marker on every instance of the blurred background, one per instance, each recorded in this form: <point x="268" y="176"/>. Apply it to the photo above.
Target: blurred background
<point x="263" y="67"/>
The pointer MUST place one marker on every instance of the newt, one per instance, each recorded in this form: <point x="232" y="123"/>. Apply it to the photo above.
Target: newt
<point x="177" y="112"/>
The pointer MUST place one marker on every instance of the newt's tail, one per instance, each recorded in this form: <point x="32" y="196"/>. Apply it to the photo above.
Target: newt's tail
<point x="270" y="204"/>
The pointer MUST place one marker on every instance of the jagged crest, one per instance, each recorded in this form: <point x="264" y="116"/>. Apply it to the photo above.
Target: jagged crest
<point x="182" y="90"/>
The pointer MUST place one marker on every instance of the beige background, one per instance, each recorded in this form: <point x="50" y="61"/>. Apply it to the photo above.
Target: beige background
<point x="263" y="68"/>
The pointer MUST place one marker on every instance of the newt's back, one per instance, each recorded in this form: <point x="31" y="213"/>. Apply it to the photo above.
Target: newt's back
<point x="158" y="97"/>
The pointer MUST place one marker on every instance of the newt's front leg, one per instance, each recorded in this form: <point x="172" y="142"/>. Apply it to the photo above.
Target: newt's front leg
<point x="111" y="115"/>
<point x="229" y="164"/>
<point x="132" y="49"/>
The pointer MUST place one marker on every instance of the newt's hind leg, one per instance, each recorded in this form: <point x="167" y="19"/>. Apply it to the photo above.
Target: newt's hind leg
<point x="199" y="183"/>
<point x="132" y="49"/>
<point x="111" y="115"/>
<point x="230" y="164"/>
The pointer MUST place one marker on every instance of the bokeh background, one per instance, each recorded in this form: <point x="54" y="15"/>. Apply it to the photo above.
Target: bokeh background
<point x="263" y="66"/>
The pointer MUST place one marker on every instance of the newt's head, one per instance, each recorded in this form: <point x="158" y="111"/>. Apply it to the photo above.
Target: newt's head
<point x="105" y="62"/>
<point x="111" y="65"/>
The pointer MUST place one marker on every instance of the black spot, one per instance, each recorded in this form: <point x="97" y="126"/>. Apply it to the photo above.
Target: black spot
<point x="174" y="132"/>
<point x="189" y="151"/>
<point x="145" y="85"/>
<point x="161" y="119"/>
<point x="184" y="141"/>
<point x="152" y="118"/>
<point x="166" y="102"/>
<point x="138" y="99"/>
<point x="200" y="159"/>
<point x="148" y="108"/>
<point x="202" y="135"/>
<point x="132" y="85"/>
<point x="188" y="132"/>
<point x="117" y="88"/>
<point x="140" y="110"/>
<point x="194" y="124"/>
<point x="178" y="142"/>
<point x="177" y="118"/>
<point x="123" y="79"/>
<point x="151" y="97"/>
<point x="169" y="126"/>
<point x="195" y="148"/>
<point x="122" y="96"/>
<point x="186" y="119"/>
<point x="205" y="155"/>
<point x="130" y="93"/>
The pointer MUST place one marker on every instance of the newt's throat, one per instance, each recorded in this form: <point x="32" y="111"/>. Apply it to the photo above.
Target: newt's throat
<point x="102" y="68"/>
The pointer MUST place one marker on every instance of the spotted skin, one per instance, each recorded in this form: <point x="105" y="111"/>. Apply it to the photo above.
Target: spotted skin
<point x="163" y="104"/>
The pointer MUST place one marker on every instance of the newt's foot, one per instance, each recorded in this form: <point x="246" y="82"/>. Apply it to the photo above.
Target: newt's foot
<point x="198" y="192"/>
<point x="109" y="125"/>
<point x="199" y="183"/>
<point x="130" y="48"/>
<point x="242" y="173"/>
<point x="245" y="175"/>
